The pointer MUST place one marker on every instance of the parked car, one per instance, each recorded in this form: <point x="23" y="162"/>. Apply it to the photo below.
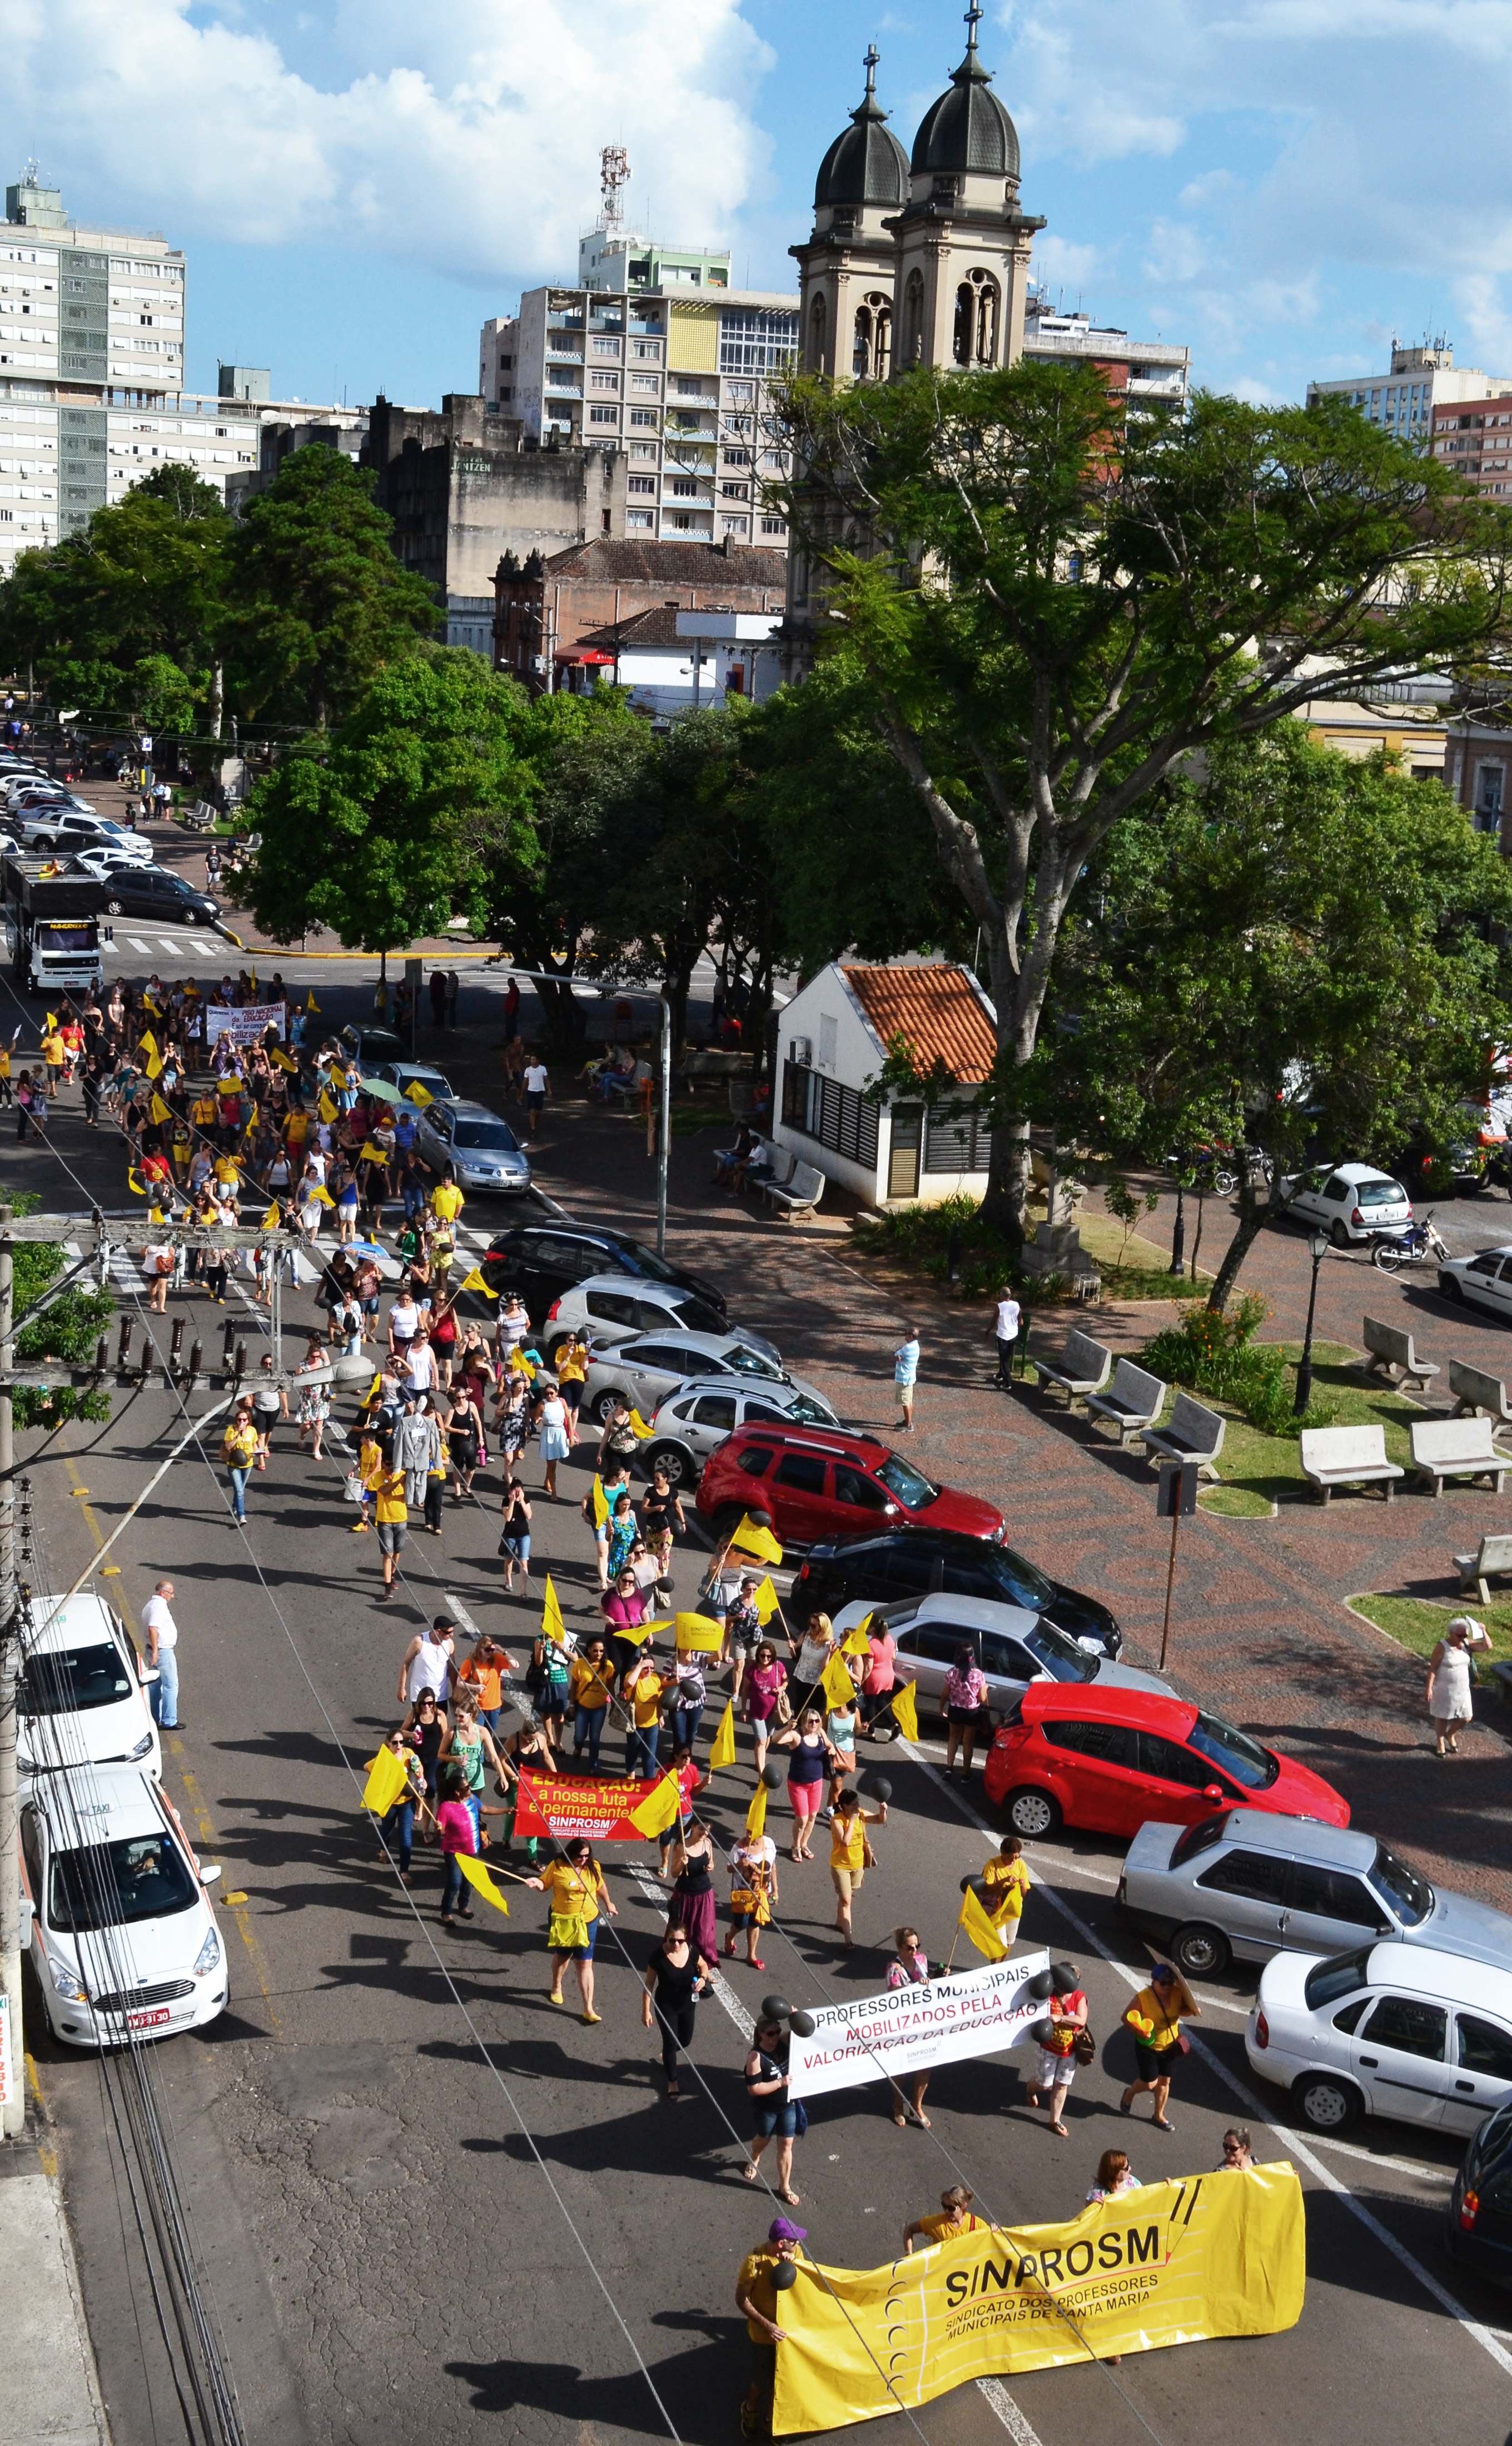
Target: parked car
<point x="123" y="1939"/>
<point x="1395" y="2030"/>
<point x="649" y="1367"/>
<point x="1349" y="1202"/>
<point x="371" y="1047"/>
<point x="480" y="1147"/>
<point x="82" y="1694"/>
<point x="1013" y="1647"/>
<point x="543" y="1260"/>
<point x="818" y="1485"/>
<point x="612" y="1308"/>
<point x="695" y="1421"/>
<point x="47" y="804"/>
<point x="1109" y="1759"/>
<point x="403" y="1075"/>
<point x="1478" y="2223"/>
<point x="904" y="1563"/>
<point x="157" y="892"/>
<point x="102" y="861"/>
<point x="1248" y="1884"/>
<point x="1485" y="1281"/>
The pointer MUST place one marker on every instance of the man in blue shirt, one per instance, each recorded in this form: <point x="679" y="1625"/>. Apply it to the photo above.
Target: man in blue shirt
<point x="906" y="1374"/>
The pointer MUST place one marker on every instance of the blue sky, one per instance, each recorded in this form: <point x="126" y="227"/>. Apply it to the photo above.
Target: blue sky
<point x="1280" y="183"/>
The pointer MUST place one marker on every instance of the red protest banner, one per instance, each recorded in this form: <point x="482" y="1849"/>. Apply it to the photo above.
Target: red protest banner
<point x="573" y="1804"/>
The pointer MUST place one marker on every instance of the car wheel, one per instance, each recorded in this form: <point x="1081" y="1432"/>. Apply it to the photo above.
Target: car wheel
<point x="676" y="1460"/>
<point x="604" y="1404"/>
<point x="44" y="841"/>
<point x="1451" y="1287"/>
<point x="1327" y="2103"/>
<point x="1032" y="1813"/>
<point x="1340" y="1233"/>
<point x="113" y="908"/>
<point x="727" y="1519"/>
<point x="1199" y="1951"/>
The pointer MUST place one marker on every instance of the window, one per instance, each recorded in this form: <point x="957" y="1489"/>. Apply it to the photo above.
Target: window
<point x="734" y="492"/>
<point x="1410" y="2025"/>
<point x="685" y="488"/>
<point x="653" y="1354"/>
<point x="1329" y="1981"/>
<point x="63" y="1680"/>
<point x="740" y="390"/>
<point x="1234" y="1752"/>
<point x="774" y="526"/>
<point x="640" y="483"/>
<point x="1259" y="1877"/>
<point x="829" y="1038"/>
<point x="1410" y="1895"/>
<point x="756" y="340"/>
<point x="1105" y="1743"/>
<point x="645" y="382"/>
<point x="736" y="458"/>
<point x="606" y="347"/>
<point x="1485" y="2046"/>
<point x="756" y="1463"/>
<point x="614" y="1307"/>
<point x="834" y="1115"/>
<point x="936" y="1644"/>
<point x="603" y="382"/>
<point x="642" y="416"/>
<point x="639" y="518"/>
<point x="716" y="1410"/>
<point x="689" y="386"/>
<point x="853" y="1486"/>
<point x="804" y="1472"/>
<point x="913" y="319"/>
<point x="1333" y="1893"/>
<point x="506" y="365"/>
<point x="1349" y="2014"/>
<point x="1172" y="1764"/>
<point x="816" y="336"/>
<point x="603" y="416"/>
<point x="1199" y="1838"/>
<point x="106" y="1885"/>
<point x="648" y="350"/>
<point x="957" y="1139"/>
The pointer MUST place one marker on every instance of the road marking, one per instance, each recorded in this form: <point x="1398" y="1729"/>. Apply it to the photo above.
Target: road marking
<point x="1008" y="2412"/>
<point x="208" y="1836"/>
<point x="1252" y="2104"/>
<point x="174" y="950"/>
<point x="84" y="1505"/>
<point x="138" y="945"/>
<point x="1400" y="2165"/>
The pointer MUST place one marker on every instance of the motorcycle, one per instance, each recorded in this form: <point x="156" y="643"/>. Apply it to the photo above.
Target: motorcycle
<point x="1408" y="1246"/>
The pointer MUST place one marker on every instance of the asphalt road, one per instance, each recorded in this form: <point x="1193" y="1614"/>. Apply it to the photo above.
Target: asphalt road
<point x="429" y="2205"/>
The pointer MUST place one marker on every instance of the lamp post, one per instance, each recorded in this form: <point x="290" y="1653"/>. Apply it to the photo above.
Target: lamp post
<point x="1317" y="1248"/>
<point x="1178" y="1264"/>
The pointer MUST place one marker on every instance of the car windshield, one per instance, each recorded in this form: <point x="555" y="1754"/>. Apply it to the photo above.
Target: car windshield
<point x="1408" y="1896"/>
<point x="693" y="1317"/>
<point x="496" y="1135"/>
<point x="1327" y="1982"/>
<point x="1234" y="1752"/>
<point x="1020" y="1583"/>
<point x="67" y="1679"/>
<point x="910" y="1485"/>
<point x="106" y="1885"/>
<point x="1059" y="1654"/>
<point x="750" y="1362"/>
<point x="1196" y="1838"/>
<point x="809" y="1414"/>
<point x="1378" y="1193"/>
<point x="645" y="1261"/>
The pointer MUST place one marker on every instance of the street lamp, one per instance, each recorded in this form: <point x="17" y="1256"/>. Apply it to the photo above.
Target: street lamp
<point x="1317" y="1248"/>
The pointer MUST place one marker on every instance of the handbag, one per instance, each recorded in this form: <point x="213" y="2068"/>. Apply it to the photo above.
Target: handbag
<point x="1083" y="2047"/>
<point x="352" y="1487"/>
<point x="783" y="1708"/>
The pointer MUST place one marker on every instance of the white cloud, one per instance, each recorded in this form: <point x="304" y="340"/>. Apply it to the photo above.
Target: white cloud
<point x="464" y="137"/>
<point x="1214" y="187"/>
<point x="1176" y="252"/>
<point x="1060" y="263"/>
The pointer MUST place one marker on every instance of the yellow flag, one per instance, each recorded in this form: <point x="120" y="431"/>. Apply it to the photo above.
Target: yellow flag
<point x="979" y="1927"/>
<point x="697" y="1630"/>
<point x="857" y="1643"/>
<point x="526" y="1366"/>
<point x="370" y="1153"/>
<point x="283" y="1060"/>
<point x="637" y="1632"/>
<point x="134" y="1184"/>
<point x="253" y="981"/>
<point x="905" y="1711"/>
<point x="159" y="1110"/>
<point x="147" y="1042"/>
<point x="155" y="1214"/>
<point x="639" y="1425"/>
<point x="52" y="1020"/>
<point x="754" y="1541"/>
<point x="756" y="1813"/>
<point x="325" y="1108"/>
<point x="338" y="1076"/>
<point x="837" y="1684"/>
<point x="722" y="1749"/>
<point x="660" y="1808"/>
<point x="552" y="1625"/>
<point x="419" y="1095"/>
<point x="600" y="1503"/>
<point x="474" y="1282"/>
<point x="152" y="1065"/>
<point x="765" y="1602"/>
<point x="311" y="1002"/>
<point x="477" y="1876"/>
<point x="323" y="1197"/>
<point x="387" y="1781"/>
<point x="272" y="1218"/>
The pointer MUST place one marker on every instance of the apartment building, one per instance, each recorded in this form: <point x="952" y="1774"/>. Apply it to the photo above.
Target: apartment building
<point x="1476" y="441"/>
<point x="1421" y="379"/>
<point x="673" y="368"/>
<point x="1153" y="371"/>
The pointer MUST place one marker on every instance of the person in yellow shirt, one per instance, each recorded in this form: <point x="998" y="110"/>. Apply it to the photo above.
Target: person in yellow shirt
<point x="849" y="1853"/>
<point x="578" y="1893"/>
<point x="369" y="1470"/>
<point x="641" y="1690"/>
<point x="954" y="2218"/>
<point x="1156" y="2017"/>
<point x="53" y="1055"/>
<point x="446" y="1200"/>
<point x="238" y="1450"/>
<point x="202" y="1113"/>
<point x="1008" y="1881"/>
<point x="393" y="1518"/>
<point x="588" y="1690"/>
<point x="756" y="2298"/>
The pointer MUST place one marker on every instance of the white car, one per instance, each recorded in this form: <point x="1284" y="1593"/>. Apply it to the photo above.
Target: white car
<point x="82" y="1697"/>
<point x="610" y="1307"/>
<point x="1351" y="1202"/>
<point x="1485" y="1280"/>
<point x="699" y="1416"/>
<point x="123" y="1939"/>
<point x="1012" y="1647"/>
<point x="67" y="831"/>
<point x="480" y="1147"/>
<point x="1395" y="2030"/>
<point x="649" y="1367"/>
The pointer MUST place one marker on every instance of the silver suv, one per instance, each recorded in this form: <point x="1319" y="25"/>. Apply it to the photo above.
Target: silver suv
<point x="610" y="1307"/>
<point x="693" y="1422"/>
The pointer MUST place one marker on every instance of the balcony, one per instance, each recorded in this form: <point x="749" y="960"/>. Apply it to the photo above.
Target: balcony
<point x="671" y="501"/>
<point x="559" y="387"/>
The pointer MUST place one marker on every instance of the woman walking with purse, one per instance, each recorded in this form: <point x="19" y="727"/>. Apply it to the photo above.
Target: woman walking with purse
<point x="578" y="1896"/>
<point x="1061" y="2047"/>
<point x="1156" y="2017"/>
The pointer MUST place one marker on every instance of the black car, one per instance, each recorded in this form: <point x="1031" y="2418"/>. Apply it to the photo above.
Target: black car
<point x="1478" y="2224"/>
<point x="920" y="1562"/>
<point x="157" y="892"/>
<point x="372" y="1045"/>
<point x="543" y="1260"/>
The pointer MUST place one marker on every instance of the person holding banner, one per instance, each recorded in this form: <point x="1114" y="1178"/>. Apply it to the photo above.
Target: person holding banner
<point x="675" y="1977"/>
<point x="578" y="1894"/>
<point x="692" y="1696"/>
<point x="954" y="2218"/>
<point x="778" y="2117"/>
<point x="756" y="2300"/>
<point x="910" y="1969"/>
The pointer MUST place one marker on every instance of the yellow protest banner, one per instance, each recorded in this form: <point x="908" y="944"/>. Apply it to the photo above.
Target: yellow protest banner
<point x="722" y="1748"/>
<point x="1177" y="2263"/>
<point x="660" y="1808"/>
<point x="905" y="1711"/>
<point x="474" y="1282"/>
<point x="979" y="1927"/>
<point x="765" y="1602"/>
<point x="477" y="1876"/>
<point x="756" y="1813"/>
<point x="699" y="1630"/>
<point x="752" y="1539"/>
<point x="837" y="1684"/>
<point x="387" y="1781"/>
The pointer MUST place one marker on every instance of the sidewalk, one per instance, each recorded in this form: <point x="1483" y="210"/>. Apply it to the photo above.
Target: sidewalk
<point x="49" y="2393"/>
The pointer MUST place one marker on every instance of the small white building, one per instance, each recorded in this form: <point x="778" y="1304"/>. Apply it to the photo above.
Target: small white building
<point x="672" y="662"/>
<point x="833" y="1038"/>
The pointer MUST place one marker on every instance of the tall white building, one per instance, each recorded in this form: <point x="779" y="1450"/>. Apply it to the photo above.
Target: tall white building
<point x="1421" y="380"/>
<point x="655" y="353"/>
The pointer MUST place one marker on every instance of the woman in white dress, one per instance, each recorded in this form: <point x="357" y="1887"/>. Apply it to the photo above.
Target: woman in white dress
<point x="556" y="1434"/>
<point x="1449" y="1700"/>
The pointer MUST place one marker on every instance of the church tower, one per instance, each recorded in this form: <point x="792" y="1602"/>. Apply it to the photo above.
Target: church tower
<point x="847" y="266"/>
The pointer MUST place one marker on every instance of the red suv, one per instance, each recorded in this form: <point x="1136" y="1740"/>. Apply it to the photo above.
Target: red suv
<point x="817" y="1483"/>
<point x="1081" y="1755"/>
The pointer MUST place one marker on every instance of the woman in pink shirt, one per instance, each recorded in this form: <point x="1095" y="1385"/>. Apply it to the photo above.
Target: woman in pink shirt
<point x="764" y="1684"/>
<point x="454" y="1825"/>
<point x="878" y="1682"/>
<point x="965" y="1709"/>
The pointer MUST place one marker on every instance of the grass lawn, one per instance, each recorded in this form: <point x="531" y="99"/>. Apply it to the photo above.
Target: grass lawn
<point x="1416" y="1624"/>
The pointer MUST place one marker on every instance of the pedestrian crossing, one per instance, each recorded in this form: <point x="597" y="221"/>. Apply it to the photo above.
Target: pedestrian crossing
<point x="149" y="949"/>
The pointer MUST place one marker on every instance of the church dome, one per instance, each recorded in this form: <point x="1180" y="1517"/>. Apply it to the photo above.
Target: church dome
<point x="968" y="130"/>
<point x="865" y="164"/>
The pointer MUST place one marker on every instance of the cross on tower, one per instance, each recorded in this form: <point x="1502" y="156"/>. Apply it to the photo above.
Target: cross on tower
<point x="869" y="64"/>
<point x="974" y="18"/>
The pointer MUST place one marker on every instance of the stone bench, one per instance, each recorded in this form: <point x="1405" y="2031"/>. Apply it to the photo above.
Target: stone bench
<point x="798" y="1195"/>
<point x="1348" y="1457"/>
<point x="1132" y="1400"/>
<point x="1083" y="1367"/>
<point x="1194" y="1433"/>
<point x="1392" y="1355"/>
<point x="1491" y="1560"/>
<point x="1456" y="1448"/>
<point x="1479" y="1395"/>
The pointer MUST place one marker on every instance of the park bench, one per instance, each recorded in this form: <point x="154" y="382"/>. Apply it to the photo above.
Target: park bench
<point x="200" y="817"/>
<point x="712" y="1062"/>
<point x="1456" y="1448"/>
<point x="1478" y="1395"/>
<point x="1393" y="1357"/>
<point x="1132" y="1400"/>
<point x="1083" y="1367"/>
<point x="1491" y="1560"/>
<point x="773" y="1163"/>
<point x="798" y="1195"/>
<point x="1194" y="1433"/>
<point x="1348" y="1457"/>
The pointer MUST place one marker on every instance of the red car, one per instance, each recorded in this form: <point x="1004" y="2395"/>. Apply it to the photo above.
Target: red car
<point x="819" y="1482"/>
<point x="1109" y="1759"/>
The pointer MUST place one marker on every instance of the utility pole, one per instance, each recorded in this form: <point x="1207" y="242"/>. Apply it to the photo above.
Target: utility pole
<point x="12" y="2086"/>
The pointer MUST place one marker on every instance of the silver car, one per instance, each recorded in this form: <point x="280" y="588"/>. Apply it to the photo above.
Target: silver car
<point x="1248" y="1883"/>
<point x="611" y="1308"/>
<point x="699" y="1416"/>
<point x="403" y="1075"/>
<point x="649" y="1367"/>
<point x="481" y="1149"/>
<point x="1012" y="1645"/>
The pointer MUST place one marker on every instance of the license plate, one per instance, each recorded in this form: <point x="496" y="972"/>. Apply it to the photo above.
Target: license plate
<point x="151" y="2020"/>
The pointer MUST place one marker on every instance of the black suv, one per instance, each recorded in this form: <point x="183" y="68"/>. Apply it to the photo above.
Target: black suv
<point x="922" y="1562"/>
<point x="543" y="1260"/>
<point x="157" y="892"/>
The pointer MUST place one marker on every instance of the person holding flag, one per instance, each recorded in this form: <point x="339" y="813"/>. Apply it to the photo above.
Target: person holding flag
<point x="753" y="1895"/>
<point x="641" y="1690"/>
<point x="1009" y="1882"/>
<point x="578" y="1896"/>
<point x="880" y="1677"/>
<point x="851" y="1855"/>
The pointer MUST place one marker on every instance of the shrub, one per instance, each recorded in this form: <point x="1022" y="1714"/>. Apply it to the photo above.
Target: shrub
<point x="1216" y="1353"/>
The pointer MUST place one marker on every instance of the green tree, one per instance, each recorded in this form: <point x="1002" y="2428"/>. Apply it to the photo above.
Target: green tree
<point x="64" y="1325"/>
<point x="318" y="602"/>
<point x="1299" y="950"/>
<point x="1051" y="608"/>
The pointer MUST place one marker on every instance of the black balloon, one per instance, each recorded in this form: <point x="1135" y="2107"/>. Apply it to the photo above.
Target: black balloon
<point x="784" y="2275"/>
<point x="1042" y="2032"/>
<point x="1041" y="1986"/>
<point x="760" y="1519"/>
<point x="1064" y="1980"/>
<point x="966" y="1883"/>
<point x="771" y="1775"/>
<point x="802" y="2024"/>
<point x="876" y="1787"/>
<point x="775" y="2009"/>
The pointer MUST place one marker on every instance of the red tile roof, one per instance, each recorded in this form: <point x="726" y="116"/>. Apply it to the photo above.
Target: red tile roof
<point x="937" y="1009"/>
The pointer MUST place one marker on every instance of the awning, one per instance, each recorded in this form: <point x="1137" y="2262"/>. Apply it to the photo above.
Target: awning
<point x="585" y="658"/>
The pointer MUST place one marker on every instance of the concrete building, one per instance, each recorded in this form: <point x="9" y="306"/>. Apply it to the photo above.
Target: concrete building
<point x="1477" y="770"/>
<point x="560" y="621"/>
<point x="1153" y="371"/>
<point x="655" y="354"/>
<point x="670" y="662"/>
<point x="1421" y="380"/>
<point x="1476" y="440"/>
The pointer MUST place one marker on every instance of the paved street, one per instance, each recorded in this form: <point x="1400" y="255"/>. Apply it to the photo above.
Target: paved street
<point x="400" y="2160"/>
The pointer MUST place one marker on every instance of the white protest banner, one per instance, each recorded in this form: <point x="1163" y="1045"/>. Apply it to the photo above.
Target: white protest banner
<point x="907" y="2029"/>
<point x="246" y="1026"/>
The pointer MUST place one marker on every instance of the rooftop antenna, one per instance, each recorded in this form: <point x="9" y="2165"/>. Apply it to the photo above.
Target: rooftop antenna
<point x="613" y="176"/>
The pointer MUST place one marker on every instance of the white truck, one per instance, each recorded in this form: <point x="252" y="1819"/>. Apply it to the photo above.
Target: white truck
<point x="53" y="910"/>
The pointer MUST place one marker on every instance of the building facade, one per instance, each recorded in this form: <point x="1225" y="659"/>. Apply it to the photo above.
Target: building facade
<point x="564" y="620"/>
<point x="1478" y="771"/>
<point x="1420" y="381"/>
<point x="1153" y="372"/>
<point x="1476" y="440"/>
